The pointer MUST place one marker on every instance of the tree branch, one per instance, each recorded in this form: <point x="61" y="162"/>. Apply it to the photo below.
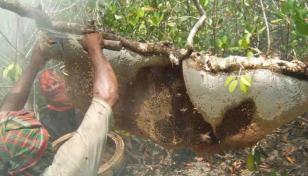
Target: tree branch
<point x="267" y="29"/>
<point x="194" y="30"/>
<point x="215" y="64"/>
<point x="39" y="16"/>
<point x="199" y="7"/>
<point x="165" y="48"/>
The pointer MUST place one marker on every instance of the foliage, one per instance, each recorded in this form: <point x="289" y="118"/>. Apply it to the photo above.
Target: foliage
<point x="232" y="27"/>
<point x="245" y="83"/>
<point x="13" y="71"/>
<point x="253" y="160"/>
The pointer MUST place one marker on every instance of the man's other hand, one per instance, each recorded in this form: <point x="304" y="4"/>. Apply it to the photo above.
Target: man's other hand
<point x="92" y="41"/>
<point x="38" y="57"/>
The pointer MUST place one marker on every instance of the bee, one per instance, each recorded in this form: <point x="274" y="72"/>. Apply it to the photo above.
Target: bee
<point x="51" y="42"/>
<point x="279" y="105"/>
<point x="206" y="137"/>
<point x="89" y="11"/>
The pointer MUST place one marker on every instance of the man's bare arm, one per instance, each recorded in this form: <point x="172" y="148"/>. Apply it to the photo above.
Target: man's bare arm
<point x="105" y="81"/>
<point x="18" y="94"/>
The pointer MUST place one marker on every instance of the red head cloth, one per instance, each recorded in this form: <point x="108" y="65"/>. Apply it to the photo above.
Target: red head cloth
<point x="53" y="88"/>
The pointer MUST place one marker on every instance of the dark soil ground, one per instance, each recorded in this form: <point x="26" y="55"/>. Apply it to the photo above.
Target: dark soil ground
<point x="285" y="145"/>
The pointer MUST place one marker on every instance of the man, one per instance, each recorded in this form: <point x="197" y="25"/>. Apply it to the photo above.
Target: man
<point x="25" y="148"/>
<point x="61" y="117"/>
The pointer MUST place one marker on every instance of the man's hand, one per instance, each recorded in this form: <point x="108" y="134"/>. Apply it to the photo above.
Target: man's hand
<point x="38" y="57"/>
<point x="105" y="81"/>
<point x="91" y="42"/>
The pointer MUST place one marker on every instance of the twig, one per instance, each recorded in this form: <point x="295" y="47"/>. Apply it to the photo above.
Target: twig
<point x="2" y="94"/>
<point x="287" y="46"/>
<point x="267" y="29"/>
<point x="11" y="44"/>
<point x="31" y="48"/>
<point x="188" y="10"/>
<point x="4" y="56"/>
<point x="195" y="29"/>
<point x="30" y="39"/>
<point x="16" y="40"/>
<point x="214" y="26"/>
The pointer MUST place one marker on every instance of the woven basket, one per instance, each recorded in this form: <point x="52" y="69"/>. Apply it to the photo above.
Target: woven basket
<point x="113" y="160"/>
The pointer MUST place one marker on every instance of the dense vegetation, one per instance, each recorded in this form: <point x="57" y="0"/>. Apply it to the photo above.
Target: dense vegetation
<point x="275" y="28"/>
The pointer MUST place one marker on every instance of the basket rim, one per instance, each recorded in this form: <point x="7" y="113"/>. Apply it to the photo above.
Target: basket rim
<point x="117" y="156"/>
<point x="118" y="153"/>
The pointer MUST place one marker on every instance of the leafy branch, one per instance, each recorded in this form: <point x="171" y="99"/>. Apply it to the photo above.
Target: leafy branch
<point x="245" y="82"/>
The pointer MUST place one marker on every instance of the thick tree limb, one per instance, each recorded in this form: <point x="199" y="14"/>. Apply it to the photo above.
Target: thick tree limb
<point x="215" y="64"/>
<point x="39" y="16"/>
<point x="164" y="48"/>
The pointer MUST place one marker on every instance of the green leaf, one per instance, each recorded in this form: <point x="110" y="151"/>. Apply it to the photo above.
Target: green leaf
<point x="220" y="21"/>
<point x="284" y="9"/>
<point x="8" y="69"/>
<point x="5" y="72"/>
<point x="224" y="40"/>
<point x="205" y="3"/>
<point x="279" y="14"/>
<point x="301" y="27"/>
<point x="256" y="50"/>
<point x="240" y="42"/>
<point x="261" y="30"/>
<point x="291" y="6"/>
<point x="218" y="43"/>
<point x="257" y="157"/>
<point x="245" y="43"/>
<point x="232" y="86"/>
<point x="118" y="17"/>
<point x="273" y="172"/>
<point x="171" y="24"/>
<point x="17" y="72"/>
<point x="11" y="66"/>
<point x="140" y="13"/>
<point x="239" y="49"/>
<point x="249" y="53"/>
<point x="250" y="163"/>
<point x="228" y="80"/>
<point x="246" y="80"/>
<point x="181" y="20"/>
<point x="275" y="21"/>
<point x="262" y="151"/>
<point x="244" y="88"/>
<point x="248" y="27"/>
<point x="142" y="27"/>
